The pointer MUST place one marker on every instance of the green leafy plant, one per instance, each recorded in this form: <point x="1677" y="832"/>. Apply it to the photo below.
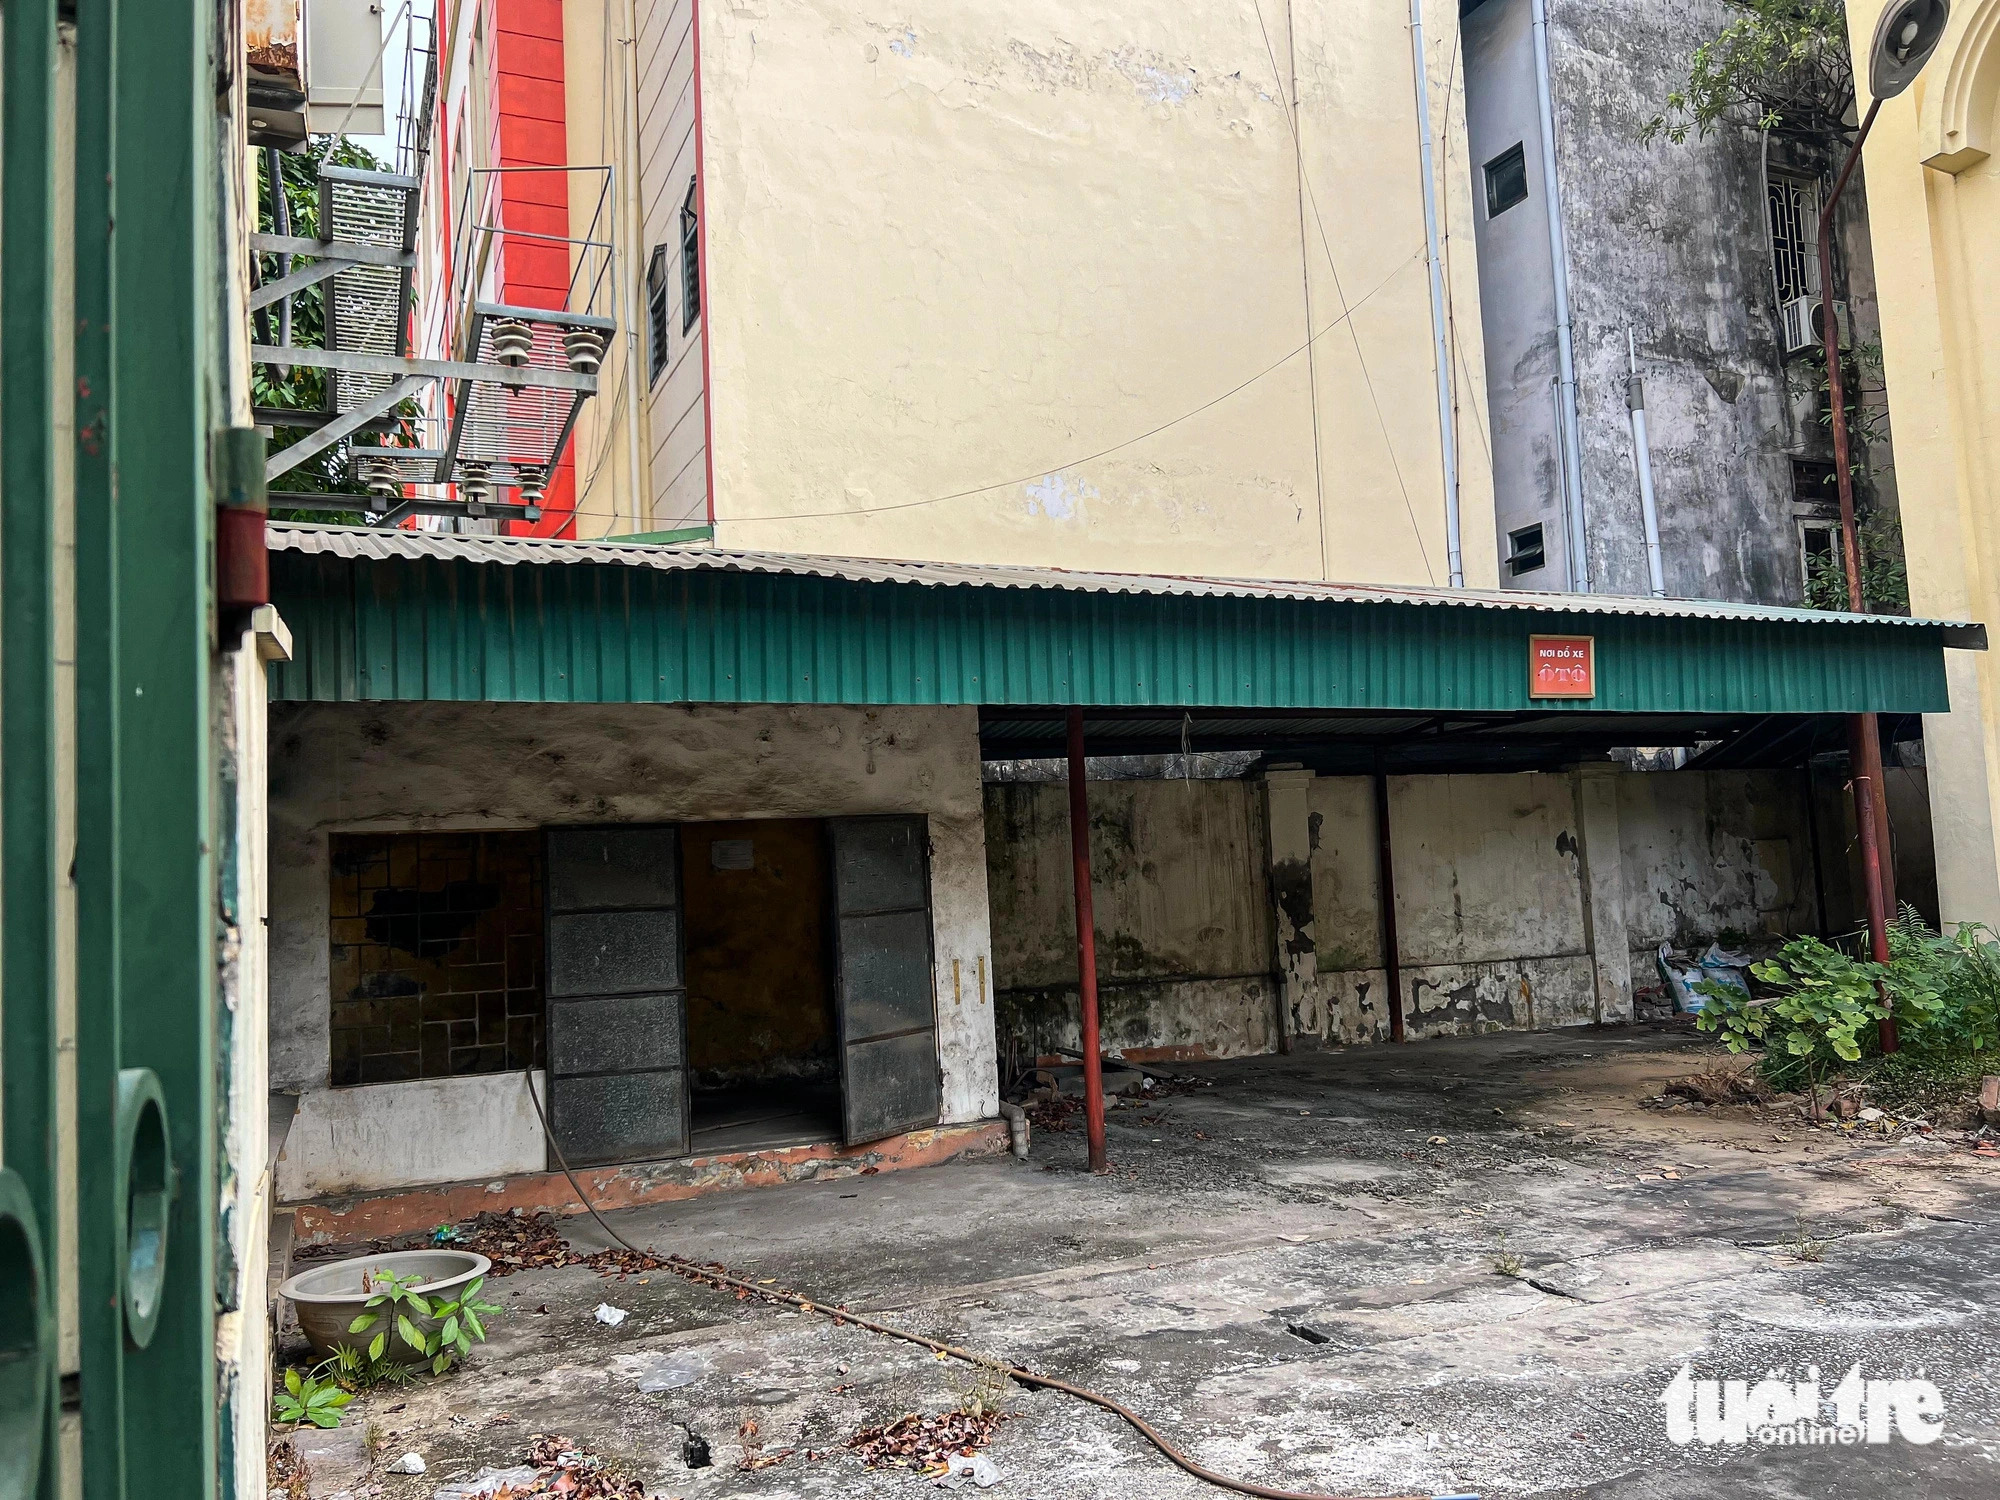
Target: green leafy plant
<point x="1885" y="580"/>
<point x="313" y="1396"/>
<point x="357" y="1372"/>
<point x="1819" y="1001"/>
<point x="1777" y="62"/>
<point x="396" y="1306"/>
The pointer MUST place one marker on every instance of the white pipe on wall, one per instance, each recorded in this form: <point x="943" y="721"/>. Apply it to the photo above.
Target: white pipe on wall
<point x="1579" y="552"/>
<point x="1447" y="438"/>
<point x="1642" y="460"/>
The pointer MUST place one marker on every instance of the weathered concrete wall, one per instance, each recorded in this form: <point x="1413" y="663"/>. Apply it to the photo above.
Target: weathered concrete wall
<point x="1181" y="896"/>
<point x="1711" y="853"/>
<point x="963" y="248"/>
<point x="1489" y="910"/>
<point x="1524" y="901"/>
<point x="1670" y="241"/>
<point x="352" y="767"/>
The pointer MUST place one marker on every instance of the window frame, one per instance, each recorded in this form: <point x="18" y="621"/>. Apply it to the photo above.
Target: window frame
<point x="657" y="309"/>
<point x="1515" y="155"/>
<point x="1517" y="549"/>
<point x="690" y="258"/>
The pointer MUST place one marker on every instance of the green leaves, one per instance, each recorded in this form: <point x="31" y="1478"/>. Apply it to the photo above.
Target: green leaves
<point x="1820" y="1004"/>
<point x="311" y="1397"/>
<point x="1778" y="63"/>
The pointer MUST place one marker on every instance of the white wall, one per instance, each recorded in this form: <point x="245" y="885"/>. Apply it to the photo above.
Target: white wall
<point x="376" y="767"/>
<point x="407" y="1134"/>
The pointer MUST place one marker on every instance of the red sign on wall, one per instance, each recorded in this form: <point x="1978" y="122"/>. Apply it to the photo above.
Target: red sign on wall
<point x="1562" y="666"/>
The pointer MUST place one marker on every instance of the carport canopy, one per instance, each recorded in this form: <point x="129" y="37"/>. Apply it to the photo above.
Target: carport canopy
<point x="1432" y="677"/>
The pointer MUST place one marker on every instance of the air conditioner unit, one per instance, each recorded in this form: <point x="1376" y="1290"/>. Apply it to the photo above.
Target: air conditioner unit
<point x="1802" y="319"/>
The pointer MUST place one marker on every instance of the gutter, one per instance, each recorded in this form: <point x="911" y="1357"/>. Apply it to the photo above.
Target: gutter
<point x="1579" y="552"/>
<point x="1447" y="437"/>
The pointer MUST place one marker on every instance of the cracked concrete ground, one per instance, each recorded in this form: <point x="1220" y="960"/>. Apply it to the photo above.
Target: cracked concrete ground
<point x="1289" y="1276"/>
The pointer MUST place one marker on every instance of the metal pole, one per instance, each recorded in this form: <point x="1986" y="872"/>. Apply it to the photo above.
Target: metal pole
<point x="1086" y="946"/>
<point x="1863" y="738"/>
<point x="1642" y="459"/>
<point x="1386" y="864"/>
<point x="1568" y="435"/>
<point x="1441" y="352"/>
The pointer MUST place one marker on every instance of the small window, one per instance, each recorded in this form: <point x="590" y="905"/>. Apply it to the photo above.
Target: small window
<point x="1525" y="552"/>
<point x="690" y="261"/>
<point x="656" y="309"/>
<point x="1814" y="483"/>
<point x="1506" y="181"/>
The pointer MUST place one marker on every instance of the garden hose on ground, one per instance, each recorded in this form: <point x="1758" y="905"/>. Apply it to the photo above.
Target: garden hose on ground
<point x="709" y="1276"/>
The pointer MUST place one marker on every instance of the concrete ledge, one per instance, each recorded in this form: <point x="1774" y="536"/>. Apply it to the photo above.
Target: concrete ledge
<point x="636" y="1184"/>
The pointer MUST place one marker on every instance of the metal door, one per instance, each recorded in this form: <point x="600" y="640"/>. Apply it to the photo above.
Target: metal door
<point x="888" y="1001"/>
<point x="617" y="998"/>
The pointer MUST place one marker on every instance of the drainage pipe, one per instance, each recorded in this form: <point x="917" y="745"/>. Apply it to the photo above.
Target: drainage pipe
<point x="1579" y="552"/>
<point x="1642" y="460"/>
<point x="1086" y="946"/>
<point x="1447" y="437"/>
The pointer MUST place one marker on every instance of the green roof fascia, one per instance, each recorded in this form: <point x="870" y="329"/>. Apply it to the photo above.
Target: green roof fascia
<point x="382" y="630"/>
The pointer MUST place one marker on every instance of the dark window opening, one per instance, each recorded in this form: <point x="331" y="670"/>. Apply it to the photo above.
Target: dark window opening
<point x="656" y="309"/>
<point x="1814" y="483"/>
<point x="1506" y="181"/>
<point x="1525" y="550"/>
<point x="690" y="261"/>
<point x="1820" y="560"/>
<point x="436" y="955"/>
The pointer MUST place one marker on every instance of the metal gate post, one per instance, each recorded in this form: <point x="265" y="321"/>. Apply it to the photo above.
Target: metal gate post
<point x="150" y="389"/>
<point x="27" y="727"/>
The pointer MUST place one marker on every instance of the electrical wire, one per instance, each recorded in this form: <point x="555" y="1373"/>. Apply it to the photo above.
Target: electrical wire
<point x="717" y="1276"/>
<point x="1002" y="484"/>
<point x="1325" y="244"/>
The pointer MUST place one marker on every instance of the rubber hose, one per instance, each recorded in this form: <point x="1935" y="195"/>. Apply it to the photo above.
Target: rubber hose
<point x="707" y="1276"/>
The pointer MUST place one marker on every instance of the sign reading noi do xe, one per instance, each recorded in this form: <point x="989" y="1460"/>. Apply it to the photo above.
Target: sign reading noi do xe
<point x="1562" y="666"/>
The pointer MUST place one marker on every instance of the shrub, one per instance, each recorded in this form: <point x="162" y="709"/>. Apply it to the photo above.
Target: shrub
<point x="1819" y="1005"/>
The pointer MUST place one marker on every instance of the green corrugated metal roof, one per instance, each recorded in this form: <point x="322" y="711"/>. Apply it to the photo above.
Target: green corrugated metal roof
<point x="381" y="618"/>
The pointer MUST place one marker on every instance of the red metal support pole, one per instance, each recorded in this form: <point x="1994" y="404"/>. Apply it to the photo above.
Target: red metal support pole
<point x="1086" y="946"/>
<point x="1863" y="737"/>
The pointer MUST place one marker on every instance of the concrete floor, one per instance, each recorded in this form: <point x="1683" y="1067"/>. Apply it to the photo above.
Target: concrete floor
<point x="1295" y="1192"/>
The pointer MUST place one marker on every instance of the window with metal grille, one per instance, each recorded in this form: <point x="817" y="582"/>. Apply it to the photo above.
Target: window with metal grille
<point x="690" y="261"/>
<point x="656" y="309"/>
<point x="435" y="963"/>
<point x="1525" y="550"/>
<point x="1819" y="552"/>
<point x="1794" y="208"/>
<point x="1506" y="181"/>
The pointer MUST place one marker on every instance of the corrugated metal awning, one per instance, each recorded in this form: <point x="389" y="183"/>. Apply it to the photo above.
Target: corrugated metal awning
<point x="404" y="615"/>
<point x="378" y="544"/>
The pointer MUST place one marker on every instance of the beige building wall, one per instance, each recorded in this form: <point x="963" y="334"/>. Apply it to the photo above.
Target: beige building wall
<point x="1934" y="198"/>
<point x="1065" y="284"/>
<point x="629" y="101"/>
